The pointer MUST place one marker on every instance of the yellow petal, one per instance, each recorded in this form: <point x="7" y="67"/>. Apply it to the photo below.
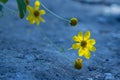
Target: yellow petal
<point x="87" y="35"/>
<point x="42" y="12"/>
<point x="92" y="48"/>
<point x="37" y="21"/>
<point x="76" y="46"/>
<point x="87" y="54"/>
<point x="81" y="52"/>
<point x="80" y="36"/>
<point x="32" y="21"/>
<point x="37" y="4"/>
<point x="76" y="39"/>
<point x="30" y="9"/>
<point x="91" y="42"/>
<point x="41" y="19"/>
<point x="29" y="17"/>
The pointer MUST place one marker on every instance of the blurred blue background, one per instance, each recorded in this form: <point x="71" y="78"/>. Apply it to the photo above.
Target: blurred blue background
<point x="27" y="54"/>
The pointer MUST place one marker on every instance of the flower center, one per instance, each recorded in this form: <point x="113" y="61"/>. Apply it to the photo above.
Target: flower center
<point x="83" y="44"/>
<point x="36" y="13"/>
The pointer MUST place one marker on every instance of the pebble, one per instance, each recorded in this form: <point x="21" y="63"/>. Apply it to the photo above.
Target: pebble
<point x="89" y="78"/>
<point x="21" y="56"/>
<point x="30" y="57"/>
<point x="108" y="76"/>
<point x="91" y="68"/>
<point x="106" y="59"/>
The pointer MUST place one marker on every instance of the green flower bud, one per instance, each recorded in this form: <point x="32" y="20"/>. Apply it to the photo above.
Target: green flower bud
<point x="27" y="2"/>
<point x="78" y="63"/>
<point x="73" y="21"/>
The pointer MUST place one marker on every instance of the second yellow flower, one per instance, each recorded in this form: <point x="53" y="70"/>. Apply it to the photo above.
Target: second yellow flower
<point x="34" y="15"/>
<point x="84" y="44"/>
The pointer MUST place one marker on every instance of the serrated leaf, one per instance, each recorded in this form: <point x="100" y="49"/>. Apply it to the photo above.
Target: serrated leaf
<point x="21" y="7"/>
<point x="3" y="1"/>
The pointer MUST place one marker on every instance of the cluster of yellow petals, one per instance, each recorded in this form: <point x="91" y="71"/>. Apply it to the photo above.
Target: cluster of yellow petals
<point x="84" y="44"/>
<point x="34" y="15"/>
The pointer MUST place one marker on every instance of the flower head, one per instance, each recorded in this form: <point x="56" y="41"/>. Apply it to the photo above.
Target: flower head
<point x="73" y="21"/>
<point x="34" y="15"/>
<point x="78" y="63"/>
<point x="84" y="44"/>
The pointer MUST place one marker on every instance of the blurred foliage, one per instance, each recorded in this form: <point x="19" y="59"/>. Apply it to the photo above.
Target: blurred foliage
<point x="1" y="6"/>
<point x="22" y="8"/>
<point x="3" y="1"/>
<point x="62" y="50"/>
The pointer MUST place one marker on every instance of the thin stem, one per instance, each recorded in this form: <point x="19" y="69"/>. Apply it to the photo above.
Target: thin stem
<point x="53" y="44"/>
<point x="54" y="13"/>
<point x="10" y="10"/>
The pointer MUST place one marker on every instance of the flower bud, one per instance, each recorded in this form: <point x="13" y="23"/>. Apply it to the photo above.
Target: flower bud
<point x="27" y="2"/>
<point x="37" y="3"/>
<point x="73" y="21"/>
<point x="78" y="63"/>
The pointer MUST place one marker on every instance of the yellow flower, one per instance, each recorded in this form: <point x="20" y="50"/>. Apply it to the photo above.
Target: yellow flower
<point x="84" y="44"/>
<point x="35" y="14"/>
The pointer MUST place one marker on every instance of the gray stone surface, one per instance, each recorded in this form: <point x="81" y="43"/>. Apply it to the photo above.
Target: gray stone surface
<point x="26" y="54"/>
<point x="109" y="76"/>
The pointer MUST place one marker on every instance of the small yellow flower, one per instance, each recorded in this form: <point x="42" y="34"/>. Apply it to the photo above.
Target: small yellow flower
<point x="84" y="44"/>
<point x="35" y="14"/>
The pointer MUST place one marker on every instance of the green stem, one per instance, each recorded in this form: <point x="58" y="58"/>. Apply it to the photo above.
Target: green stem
<point x="10" y="10"/>
<point x="54" y="13"/>
<point x="53" y="44"/>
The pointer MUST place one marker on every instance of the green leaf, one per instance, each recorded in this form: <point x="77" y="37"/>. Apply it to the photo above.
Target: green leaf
<point x="22" y="8"/>
<point x="62" y="50"/>
<point x="1" y="7"/>
<point x="3" y="1"/>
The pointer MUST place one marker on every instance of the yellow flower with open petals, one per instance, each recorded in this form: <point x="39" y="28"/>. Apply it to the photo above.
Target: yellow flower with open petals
<point x="34" y="15"/>
<point x="84" y="44"/>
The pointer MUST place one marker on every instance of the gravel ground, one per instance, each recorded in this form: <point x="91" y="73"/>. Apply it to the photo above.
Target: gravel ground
<point x="26" y="53"/>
